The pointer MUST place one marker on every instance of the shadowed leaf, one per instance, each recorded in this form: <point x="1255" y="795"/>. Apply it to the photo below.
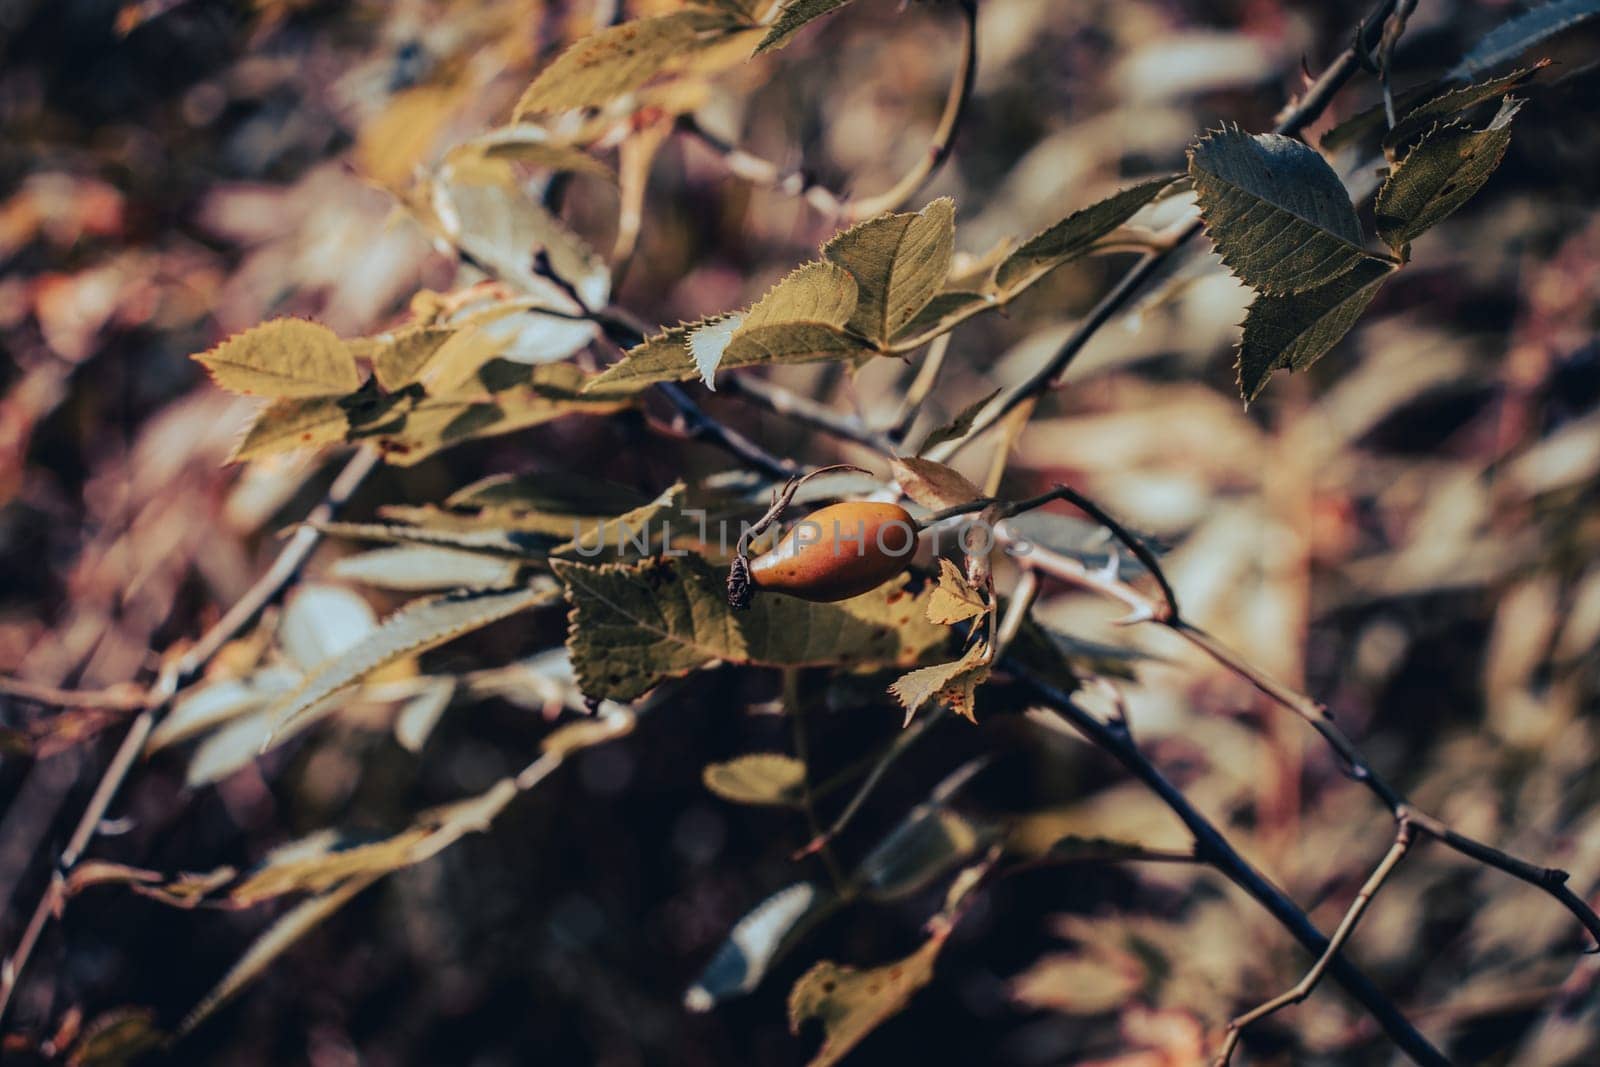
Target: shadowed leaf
<point x="953" y="598"/>
<point x="931" y="484"/>
<point x="1278" y="214"/>
<point x="1294" y="331"/>
<point x="1438" y="175"/>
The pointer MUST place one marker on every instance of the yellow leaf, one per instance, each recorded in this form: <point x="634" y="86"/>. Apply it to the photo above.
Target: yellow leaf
<point x="952" y="684"/>
<point x="953" y="599"/>
<point x="619" y="59"/>
<point x="899" y="261"/>
<point x="758" y="778"/>
<point x="283" y="358"/>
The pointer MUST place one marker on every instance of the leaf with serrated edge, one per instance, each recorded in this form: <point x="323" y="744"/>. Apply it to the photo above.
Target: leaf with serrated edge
<point x="284" y="358"/>
<point x="1278" y="214"/>
<point x="1294" y="331"/>
<point x="619" y="59"/>
<point x="954" y="684"/>
<point x="1075" y="235"/>
<point x="1445" y="169"/>
<point x="953" y="598"/>
<point x="757" y="778"/>
<point x="414" y="629"/>
<point x="940" y="315"/>
<point x="899" y="261"/>
<point x="708" y="342"/>
<point x="931" y="484"/>
<point x="794" y="16"/>
<point x="631" y="627"/>
<point x="1422" y="106"/>
<point x="799" y="320"/>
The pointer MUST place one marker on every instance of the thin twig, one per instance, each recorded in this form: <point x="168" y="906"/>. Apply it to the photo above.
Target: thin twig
<point x="1295" y="118"/>
<point x="794" y="703"/>
<point x="921" y="386"/>
<point x="1303" y="988"/>
<point x="903" y="740"/>
<point x="1212" y="848"/>
<point x="264" y="591"/>
<point x="1550" y="879"/>
<point x="838" y="208"/>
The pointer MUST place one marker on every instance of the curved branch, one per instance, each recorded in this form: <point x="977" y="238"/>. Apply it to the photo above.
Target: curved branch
<point x="840" y="208"/>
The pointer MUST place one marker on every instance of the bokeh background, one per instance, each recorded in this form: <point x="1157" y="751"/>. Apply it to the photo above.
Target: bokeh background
<point x="1410" y="531"/>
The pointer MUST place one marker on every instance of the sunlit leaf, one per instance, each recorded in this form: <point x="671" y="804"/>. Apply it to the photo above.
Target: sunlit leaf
<point x="1278" y="214"/>
<point x="634" y="626"/>
<point x="289" y="423"/>
<point x="953" y="598"/>
<point x="209" y="705"/>
<point x="532" y="144"/>
<point x="757" y="941"/>
<point x="757" y="778"/>
<point x="420" y="568"/>
<point x="1294" y="331"/>
<point x="953" y="684"/>
<point x="1438" y="175"/>
<point x="619" y="59"/>
<point x="283" y="358"/>
<point x="1075" y="235"/>
<point x="419" y="715"/>
<point x="899" y="261"/>
<point x="801" y="319"/>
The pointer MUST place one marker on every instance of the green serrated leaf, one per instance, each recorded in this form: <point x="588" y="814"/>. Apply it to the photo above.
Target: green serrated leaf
<point x="414" y="629"/>
<point x="758" y="778"/>
<point x="1293" y="331"/>
<point x="619" y="59"/>
<point x="283" y="358"/>
<point x="1443" y="171"/>
<point x="792" y="18"/>
<point x="899" y="261"/>
<point x="633" y="626"/>
<point x="1278" y="214"/>
<point x="1075" y="235"/>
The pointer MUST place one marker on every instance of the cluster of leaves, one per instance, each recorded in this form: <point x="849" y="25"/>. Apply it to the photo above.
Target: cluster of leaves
<point x="513" y="351"/>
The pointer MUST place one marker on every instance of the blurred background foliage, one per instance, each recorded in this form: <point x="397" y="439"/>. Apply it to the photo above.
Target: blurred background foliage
<point x="1410" y="530"/>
